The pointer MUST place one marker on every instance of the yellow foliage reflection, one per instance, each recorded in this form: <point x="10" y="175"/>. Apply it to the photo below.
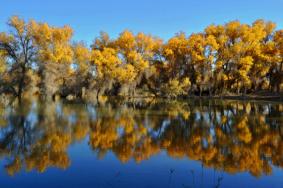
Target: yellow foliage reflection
<point x="225" y="135"/>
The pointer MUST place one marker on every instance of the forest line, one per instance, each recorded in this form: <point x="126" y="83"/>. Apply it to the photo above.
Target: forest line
<point x="39" y="59"/>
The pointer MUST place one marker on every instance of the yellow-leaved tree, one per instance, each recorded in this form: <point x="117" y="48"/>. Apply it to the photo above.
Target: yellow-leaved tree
<point x="106" y="64"/>
<point x="16" y="45"/>
<point x="55" y="54"/>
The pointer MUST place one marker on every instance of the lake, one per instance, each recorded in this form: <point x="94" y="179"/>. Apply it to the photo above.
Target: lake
<point x="148" y="143"/>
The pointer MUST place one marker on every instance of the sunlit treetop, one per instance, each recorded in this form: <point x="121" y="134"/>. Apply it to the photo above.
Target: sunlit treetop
<point x="54" y="43"/>
<point x="82" y="56"/>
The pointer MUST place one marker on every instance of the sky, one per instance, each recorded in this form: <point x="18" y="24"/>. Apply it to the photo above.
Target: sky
<point x="161" y="18"/>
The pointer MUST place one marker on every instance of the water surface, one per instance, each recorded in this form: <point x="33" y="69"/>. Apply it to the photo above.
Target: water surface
<point x="195" y="143"/>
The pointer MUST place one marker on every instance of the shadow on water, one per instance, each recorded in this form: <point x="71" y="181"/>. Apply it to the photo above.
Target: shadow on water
<point x="228" y="136"/>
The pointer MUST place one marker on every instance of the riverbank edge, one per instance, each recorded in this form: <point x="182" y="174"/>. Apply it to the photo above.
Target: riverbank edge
<point x="250" y="97"/>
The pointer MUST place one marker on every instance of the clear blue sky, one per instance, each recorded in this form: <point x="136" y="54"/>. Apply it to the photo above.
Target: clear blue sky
<point x="159" y="17"/>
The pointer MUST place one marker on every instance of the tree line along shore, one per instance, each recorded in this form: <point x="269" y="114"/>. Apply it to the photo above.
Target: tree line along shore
<point x="233" y="59"/>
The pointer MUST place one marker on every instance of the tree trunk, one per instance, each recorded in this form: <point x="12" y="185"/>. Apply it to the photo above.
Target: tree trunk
<point x="21" y="83"/>
<point x="97" y="96"/>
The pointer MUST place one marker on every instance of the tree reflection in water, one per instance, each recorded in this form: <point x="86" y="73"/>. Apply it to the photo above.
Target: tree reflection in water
<point x="232" y="136"/>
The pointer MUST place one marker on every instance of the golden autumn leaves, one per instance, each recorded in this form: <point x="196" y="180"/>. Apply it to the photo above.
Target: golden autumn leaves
<point x="124" y="60"/>
<point x="243" y="57"/>
<point x="53" y="43"/>
<point x="234" y="57"/>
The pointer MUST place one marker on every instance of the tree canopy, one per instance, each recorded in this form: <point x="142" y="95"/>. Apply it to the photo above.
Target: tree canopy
<point x="36" y="58"/>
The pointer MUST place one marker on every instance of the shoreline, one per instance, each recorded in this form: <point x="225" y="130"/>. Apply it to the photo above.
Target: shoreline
<point x="270" y="98"/>
<point x="251" y="97"/>
<point x="243" y="98"/>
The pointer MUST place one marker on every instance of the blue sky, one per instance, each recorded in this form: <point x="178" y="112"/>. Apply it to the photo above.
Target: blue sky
<point x="162" y="18"/>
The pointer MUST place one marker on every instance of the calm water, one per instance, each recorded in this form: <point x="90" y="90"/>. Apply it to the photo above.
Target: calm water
<point x="143" y="144"/>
